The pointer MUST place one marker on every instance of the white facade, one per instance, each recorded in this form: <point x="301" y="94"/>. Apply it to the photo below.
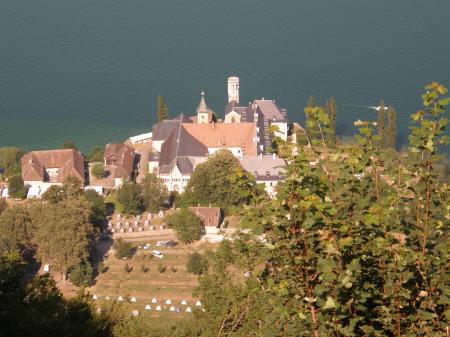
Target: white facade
<point x="175" y="181"/>
<point x="236" y="151"/>
<point x="233" y="89"/>
<point x="282" y="130"/>
<point x="232" y="117"/>
<point x="269" y="186"/>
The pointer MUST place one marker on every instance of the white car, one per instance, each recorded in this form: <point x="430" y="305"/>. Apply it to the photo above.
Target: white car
<point x="157" y="253"/>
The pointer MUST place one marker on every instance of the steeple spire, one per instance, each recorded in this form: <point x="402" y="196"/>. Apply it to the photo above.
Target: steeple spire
<point x="202" y="107"/>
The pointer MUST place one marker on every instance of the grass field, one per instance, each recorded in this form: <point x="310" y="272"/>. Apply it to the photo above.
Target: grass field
<point x="145" y="281"/>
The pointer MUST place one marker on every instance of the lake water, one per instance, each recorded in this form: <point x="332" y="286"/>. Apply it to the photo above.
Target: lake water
<point x="90" y="70"/>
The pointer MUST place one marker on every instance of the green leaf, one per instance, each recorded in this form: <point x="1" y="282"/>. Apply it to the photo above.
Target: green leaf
<point x="329" y="304"/>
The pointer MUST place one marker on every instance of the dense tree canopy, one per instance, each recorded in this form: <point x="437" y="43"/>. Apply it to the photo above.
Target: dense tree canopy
<point x="63" y="234"/>
<point x="220" y="181"/>
<point x="188" y="227"/>
<point x="98" y="170"/>
<point x="10" y="160"/>
<point x="16" y="227"/>
<point x="16" y="187"/>
<point x="130" y="196"/>
<point x="154" y="192"/>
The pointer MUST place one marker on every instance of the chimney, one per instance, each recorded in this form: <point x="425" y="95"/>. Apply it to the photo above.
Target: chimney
<point x="274" y="156"/>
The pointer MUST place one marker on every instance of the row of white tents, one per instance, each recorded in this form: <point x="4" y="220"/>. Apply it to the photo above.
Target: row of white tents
<point x="133" y="299"/>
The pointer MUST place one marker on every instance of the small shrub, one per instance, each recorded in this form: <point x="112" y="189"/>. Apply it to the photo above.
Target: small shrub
<point x="173" y="269"/>
<point x="123" y="248"/>
<point x="196" y="264"/>
<point x="127" y="268"/>
<point x="161" y="268"/>
<point x="144" y="268"/>
<point x="102" y="268"/>
<point x="98" y="171"/>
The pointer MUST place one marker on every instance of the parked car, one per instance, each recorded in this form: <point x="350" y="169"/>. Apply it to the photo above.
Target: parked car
<point x="157" y="253"/>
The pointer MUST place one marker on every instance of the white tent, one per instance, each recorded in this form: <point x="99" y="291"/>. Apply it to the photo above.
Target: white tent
<point x="158" y="308"/>
<point x="148" y="307"/>
<point x="198" y="304"/>
<point x="135" y="313"/>
<point x="133" y="299"/>
<point x="183" y="302"/>
<point x="107" y="298"/>
<point x="188" y="309"/>
<point x="168" y="302"/>
<point x="172" y="308"/>
<point x="154" y="300"/>
<point x="46" y="268"/>
<point x="120" y="299"/>
<point x="95" y="297"/>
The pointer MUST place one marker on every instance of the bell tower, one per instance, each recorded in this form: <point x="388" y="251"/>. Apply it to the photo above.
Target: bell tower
<point x="233" y="89"/>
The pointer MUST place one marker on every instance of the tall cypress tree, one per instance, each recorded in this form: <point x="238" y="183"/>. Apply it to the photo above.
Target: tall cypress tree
<point x="381" y="124"/>
<point x="162" y="109"/>
<point x="331" y="111"/>
<point x="391" y="128"/>
<point x="310" y="125"/>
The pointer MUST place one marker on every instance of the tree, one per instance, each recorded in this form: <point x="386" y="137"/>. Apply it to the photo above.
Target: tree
<point x="16" y="227"/>
<point x="82" y="275"/>
<point x="72" y="187"/>
<point x="54" y="194"/>
<point x="154" y="193"/>
<point x="130" y="196"/>
<point x="381" y="124"/>
<point x="69" y="144"/>
<point x="63" y="234"/>
<point x="10" y="160"/>
<point x="95" y="155"/>
<point x="98" y="208"/>
<point x="16" y="187"/>
<point x="123" y="248"/>
<point x="98" y="171"/>
<point x="162" y="109"/>
<point x="391" y="129"/>
<point x="331" y="111"/>
<point x="219" y="181"/>
<point x="196" y="264"/>
<point x="187" y="226"/>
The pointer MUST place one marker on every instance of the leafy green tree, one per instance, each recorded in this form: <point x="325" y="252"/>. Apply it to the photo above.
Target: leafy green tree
<point x="381" y="124"/>
<point x="69" y="144"/>
<point x="331" y="110"/>
<point x="196" y="264"/>
<point x="16" y="187"/>
<point x="63" y="234"/>
<point x="220" y="181"/>
<point x="391" y="128"/>
<point x="154" y="193"/>
<point x="130" y="196"/>
<point x="82" y="275"/>
<point x="162" y="109"/>
<point x="72" y="188"/>
<point x="16" y="227"/>
<point x="123" y="248"/>
<point x="10" y="160"/>
<point x="53" y="195"/>
<point x="98" y="170"/>
<point x="318" y="130"/>
<point x="187" y="226"/>
<point x="98" y="208"/>
<point x="95" y="155"/>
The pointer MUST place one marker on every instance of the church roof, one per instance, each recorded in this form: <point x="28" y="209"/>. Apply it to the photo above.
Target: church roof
<point x="202" y="107"/>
